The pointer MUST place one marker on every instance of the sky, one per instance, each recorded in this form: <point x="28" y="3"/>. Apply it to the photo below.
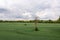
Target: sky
<point x="29" y="9"/>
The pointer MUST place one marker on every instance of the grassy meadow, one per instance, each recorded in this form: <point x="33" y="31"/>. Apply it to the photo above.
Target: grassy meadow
<point x="19" y="31"/>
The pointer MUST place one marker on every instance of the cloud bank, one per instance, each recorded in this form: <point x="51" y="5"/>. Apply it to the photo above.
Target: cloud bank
<point x="29" y="9"/>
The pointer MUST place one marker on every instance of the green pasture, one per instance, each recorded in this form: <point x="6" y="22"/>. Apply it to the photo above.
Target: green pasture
<point x="19" y="31"/>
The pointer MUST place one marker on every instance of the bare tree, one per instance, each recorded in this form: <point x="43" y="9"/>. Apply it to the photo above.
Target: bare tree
<point x="36" y="22"/>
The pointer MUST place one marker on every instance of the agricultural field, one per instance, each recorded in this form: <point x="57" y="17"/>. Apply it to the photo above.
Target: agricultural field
<point x="20" y="31"/>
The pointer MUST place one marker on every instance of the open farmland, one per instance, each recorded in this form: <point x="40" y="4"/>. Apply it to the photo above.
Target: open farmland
<point x="19" y="31"/>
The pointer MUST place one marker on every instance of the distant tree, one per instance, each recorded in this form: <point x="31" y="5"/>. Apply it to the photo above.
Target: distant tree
<point x="50" y="21"/>
<point x="1" y="20"/>
<point x="59" y="18"/>
<point x="58" y="21"/>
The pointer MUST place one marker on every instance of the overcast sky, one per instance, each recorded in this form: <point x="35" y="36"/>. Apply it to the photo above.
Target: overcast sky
<point x="29" y="9"/>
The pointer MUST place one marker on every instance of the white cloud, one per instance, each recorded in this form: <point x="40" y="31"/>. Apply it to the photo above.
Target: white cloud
<point x="27" y="9"/>
<point x="47" y="14"/>
<point x="27" y="14"/>
<point x="41" y="14"/>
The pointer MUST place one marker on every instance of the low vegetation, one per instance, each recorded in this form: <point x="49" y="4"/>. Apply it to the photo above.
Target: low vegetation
<point x="21" y="31"/>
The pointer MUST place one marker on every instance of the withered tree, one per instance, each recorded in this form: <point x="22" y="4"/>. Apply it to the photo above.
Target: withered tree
<point x="36" y="22"/>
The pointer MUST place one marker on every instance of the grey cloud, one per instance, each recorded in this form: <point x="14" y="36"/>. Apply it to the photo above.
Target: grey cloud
<point x="3" y="10"/>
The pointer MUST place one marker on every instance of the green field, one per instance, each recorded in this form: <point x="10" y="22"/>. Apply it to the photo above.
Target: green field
<point x="18" y="31"/>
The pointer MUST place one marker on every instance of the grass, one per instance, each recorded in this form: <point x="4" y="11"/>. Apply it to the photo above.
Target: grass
<point x="18" y="31"/>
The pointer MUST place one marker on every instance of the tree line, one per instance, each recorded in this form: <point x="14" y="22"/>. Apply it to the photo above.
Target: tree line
<point x="32" y="21"/>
